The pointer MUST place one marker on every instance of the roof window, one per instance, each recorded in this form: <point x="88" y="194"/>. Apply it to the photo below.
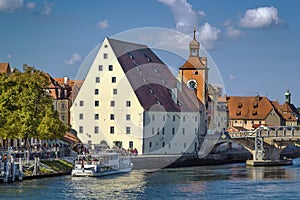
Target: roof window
<point x="155" y="69"/>
<point x="163" y="81"/>
<point x="240" y="105"/>
<point x="151" y="91"/>
<point x="130" y="56"/>
<point x="147" y="58"/>
<point x="158" y="102"/>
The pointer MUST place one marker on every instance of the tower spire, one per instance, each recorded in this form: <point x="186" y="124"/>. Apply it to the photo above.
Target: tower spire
<point x="195" y="32"/>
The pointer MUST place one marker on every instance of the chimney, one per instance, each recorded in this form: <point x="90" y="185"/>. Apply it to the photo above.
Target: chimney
<point x="66" y="80"/>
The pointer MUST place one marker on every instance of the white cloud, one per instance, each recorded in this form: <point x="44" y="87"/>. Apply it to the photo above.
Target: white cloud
<point x="74" y="59"/>
<point x="262" y="17"/>
<point x="30" y="5"/>
<point x="231" y="77"/>
<point x="102" y="24"/>
<point x="232" y="32"/>
<point x="10" y="5"/>
<point x="47" y="8"/>
<point x="209" y="36"/>
<point x="184" y="14"/>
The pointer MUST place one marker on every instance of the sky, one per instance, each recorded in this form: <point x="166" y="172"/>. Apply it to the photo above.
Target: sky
<point x="255" y="44"/>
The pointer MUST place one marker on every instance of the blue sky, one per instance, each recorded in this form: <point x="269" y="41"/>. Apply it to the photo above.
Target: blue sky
<point x="254" y="43"/>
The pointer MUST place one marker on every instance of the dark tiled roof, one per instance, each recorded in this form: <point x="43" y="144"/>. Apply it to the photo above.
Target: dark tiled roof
<point x="152" y="80"/>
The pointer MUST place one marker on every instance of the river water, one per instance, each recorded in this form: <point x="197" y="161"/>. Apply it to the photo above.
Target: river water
<point x="234" y="181"/>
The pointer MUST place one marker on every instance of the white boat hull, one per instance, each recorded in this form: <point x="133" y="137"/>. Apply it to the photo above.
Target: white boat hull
<point x="91" y="173"/>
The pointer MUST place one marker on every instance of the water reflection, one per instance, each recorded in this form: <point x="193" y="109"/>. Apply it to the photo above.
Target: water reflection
<point x="204" y="182"/>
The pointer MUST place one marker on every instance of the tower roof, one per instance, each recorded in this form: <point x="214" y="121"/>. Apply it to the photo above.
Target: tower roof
<point x="194" y="43"/>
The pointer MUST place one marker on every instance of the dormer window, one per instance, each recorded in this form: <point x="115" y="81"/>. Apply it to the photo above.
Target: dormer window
<point x="151" y="91"/>
<point x="155" y="69"/>
<point x="130" y="56"/>
<point x="240" y="105"/>
<point x="147" y="58"/>
<point x="158" y="102"/>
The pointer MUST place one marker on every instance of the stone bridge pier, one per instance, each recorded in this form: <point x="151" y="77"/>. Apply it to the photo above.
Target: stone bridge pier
<point x="266" y="144"/>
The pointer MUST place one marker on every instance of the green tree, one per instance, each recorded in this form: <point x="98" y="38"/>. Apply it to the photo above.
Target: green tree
<point x="26" y="109"/>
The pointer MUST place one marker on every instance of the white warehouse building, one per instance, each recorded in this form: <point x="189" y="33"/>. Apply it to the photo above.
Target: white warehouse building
<point x="130" y="99"/>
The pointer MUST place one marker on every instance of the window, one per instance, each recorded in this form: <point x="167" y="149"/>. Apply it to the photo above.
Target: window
<point x="153" y="117"/>
<point x="163" y="130"/>
<point x="96" y="117"/>
<point x="97" y="79"/>
<point x="80" y="129"/>
<point x="130" y="144"/>
<point x="196" y="118"/>
<point x="130" y="56"/>
<point x="81" y="116"/>
<point x="100" y="67"/>
<point x="110" y="68"/>
<point x="252" y="122"/>
<point x="112" y="103"/>
<point x="152" y="131"/>
<point x="96" y="91"/>
<point x="115" y="91"/>
<point x="96" y="103"/>
<point x="147" y="58"/>
<point x="164" y="118"/>
<point x="184" y="145"/>
<point x="113" y="79"/>
<point x="158" y="102"/>
<point x="112" y="130"/>
<point x="128" y="103"/>
<point x="128" y="117"/>
<point x="150" y="144"/>
<point x="173" y="131"/>
<point x="174" y="118"/>
<point x="127" y="130"/>
<point x="80" y="103"/>
<point x="105" y="46"/>
<point x="163" y="144"/>
<point x="96" y="129"/>
<point x="183" y="131"/>
<point x="105" y="56"/>
<point x="245" y="121"/>
<point x="112" y="117"/>
<point x="163" y="81"/>
<point x="157" y="131"/>
<point x="183" y="119"/>
<point x="62" y="106"/>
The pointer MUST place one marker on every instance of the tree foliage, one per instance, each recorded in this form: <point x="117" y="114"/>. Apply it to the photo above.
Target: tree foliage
<point x="26" y="109"/>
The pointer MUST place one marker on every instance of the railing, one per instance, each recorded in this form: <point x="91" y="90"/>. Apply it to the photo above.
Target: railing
<point x="274" y="131"/>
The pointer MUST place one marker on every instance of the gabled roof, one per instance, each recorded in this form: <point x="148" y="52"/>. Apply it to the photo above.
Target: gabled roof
<point x="5" y="68"/>
<point x="251" y="107"/>
<point x="193" y="62"/>
<point x="151" y="79"/>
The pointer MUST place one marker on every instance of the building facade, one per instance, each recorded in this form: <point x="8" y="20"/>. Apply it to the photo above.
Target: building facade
<point x="130" y="99"/>
<point x="249" y="112"/>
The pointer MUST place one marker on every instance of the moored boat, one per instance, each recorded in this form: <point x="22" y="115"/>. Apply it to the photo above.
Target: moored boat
<point x="101" y="164"/>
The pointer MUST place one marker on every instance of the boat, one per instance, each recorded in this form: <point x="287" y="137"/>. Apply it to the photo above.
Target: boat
<point x="101" y="164"/>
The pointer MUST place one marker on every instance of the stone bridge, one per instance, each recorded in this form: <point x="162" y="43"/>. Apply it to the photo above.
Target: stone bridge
<point x="265" y="143"/>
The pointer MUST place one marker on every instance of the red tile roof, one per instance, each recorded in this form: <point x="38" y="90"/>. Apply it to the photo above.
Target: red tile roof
<point x="251" y="107"/>
<point x="4" y="68"/>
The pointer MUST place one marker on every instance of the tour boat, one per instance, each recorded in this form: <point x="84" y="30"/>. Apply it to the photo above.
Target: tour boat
<point x="101" y="164"/>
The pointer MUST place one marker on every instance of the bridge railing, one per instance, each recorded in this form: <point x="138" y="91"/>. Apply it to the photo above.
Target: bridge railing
<point x="270" y="131"/>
